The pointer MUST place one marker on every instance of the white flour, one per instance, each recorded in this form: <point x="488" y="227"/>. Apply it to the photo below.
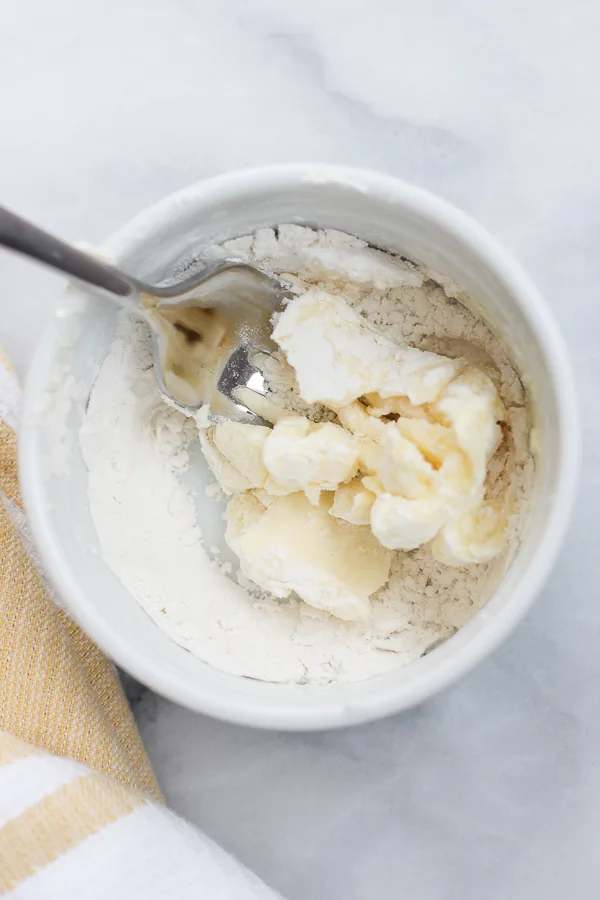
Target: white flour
<point x="136" y="448"/>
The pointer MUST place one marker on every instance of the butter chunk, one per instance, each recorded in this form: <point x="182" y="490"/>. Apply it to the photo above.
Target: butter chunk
<point x="338" y="358"/>
<point x="475" y="537"/>
<point x="300" y="455"/>
<point x="472" y="407"/>
<point x="352" y="502"/>
<point x="294" y="546"/>
<point x="242" y="445"/>
<point x="402" y="524"/>
<point x="231" y="480"/>
<point x="428" y="473"/>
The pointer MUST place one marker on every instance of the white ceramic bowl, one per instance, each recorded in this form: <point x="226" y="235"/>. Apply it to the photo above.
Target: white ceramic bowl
<point x="392" y="215"/>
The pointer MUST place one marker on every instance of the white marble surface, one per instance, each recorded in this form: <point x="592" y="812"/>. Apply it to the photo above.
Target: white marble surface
<point x="492" y="790"/>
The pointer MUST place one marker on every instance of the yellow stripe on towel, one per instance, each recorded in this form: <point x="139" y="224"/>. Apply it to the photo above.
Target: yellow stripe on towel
<point x="60" y="821"/>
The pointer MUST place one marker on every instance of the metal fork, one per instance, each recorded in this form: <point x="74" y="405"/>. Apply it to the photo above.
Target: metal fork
<point x="233" y="300"/>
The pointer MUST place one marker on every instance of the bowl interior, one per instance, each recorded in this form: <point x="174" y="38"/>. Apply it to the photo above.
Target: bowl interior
<point x="393" y="217"/>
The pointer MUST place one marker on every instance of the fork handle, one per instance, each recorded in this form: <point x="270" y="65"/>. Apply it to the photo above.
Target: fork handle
<point x="24" y="237"/>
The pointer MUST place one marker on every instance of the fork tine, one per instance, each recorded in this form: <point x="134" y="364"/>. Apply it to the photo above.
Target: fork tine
<point x="240" y="373"/>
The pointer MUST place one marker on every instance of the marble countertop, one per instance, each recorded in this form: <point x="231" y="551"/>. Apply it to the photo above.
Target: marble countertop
<point x="491" y="790"/>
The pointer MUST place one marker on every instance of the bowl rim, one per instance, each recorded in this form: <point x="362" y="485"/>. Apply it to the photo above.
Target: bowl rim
<point x="176" y="687"/>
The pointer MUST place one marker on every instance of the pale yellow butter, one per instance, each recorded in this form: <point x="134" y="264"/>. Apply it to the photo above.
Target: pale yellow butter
<point x="293" y="546"/>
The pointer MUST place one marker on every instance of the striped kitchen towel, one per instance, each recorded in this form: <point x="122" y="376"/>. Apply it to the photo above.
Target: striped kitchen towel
<point x="81" y="813"/>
